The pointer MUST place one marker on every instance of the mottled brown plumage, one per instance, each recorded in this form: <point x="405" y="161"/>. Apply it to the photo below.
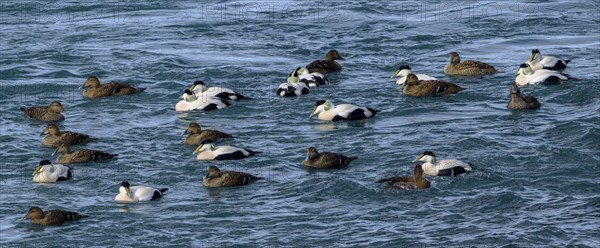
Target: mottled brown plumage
<point x="108" y="89"/>
<point x="518" y="101"/>
<point x="417" y="181"/>
<point x="414" y="87"/>
<point x="467" y="67"/>
<point x="326" y="160"/>
<point x="327" y="65"/>
<point x="50" y="113"/>
<point x="197" y="135"/>
<point x="51" y="217"/>
<point x="80" y="156"/>
<point x="55" y="137"/>
<point x="216" y="178"/>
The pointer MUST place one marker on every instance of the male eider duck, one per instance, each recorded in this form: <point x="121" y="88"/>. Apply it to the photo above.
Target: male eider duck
<point x="197" y="135"/>
<point x="46" y="172"/>
<point x="446" y="167"/>
<point x="327" y="65"/>
<point x="467" y="67"/>
<point x="417" y="181"/>
<point x="311" y="79"/>
<point x="109" y="89"/>
<point x="518" y="101"/>
<point x="414" y="87"/>
<point x="525" y="75"/>
<point x="51" y="113"/>
<point x="79" y="156"/>
<point x="537" y="62"/>
<point x="293" y="87"/>
<point x="203" y="103"/>
<point x="207" y="151"/>
<point x="55" y="137"/>
<point x="216" y="178"/>
<point x="403" y="72"/>
<point x="198" y="87"/>
<point x="138" y="193"/>
<point x="326" y="160"/>
<point x="50" y="217"/>
<point x="327" y="111"/>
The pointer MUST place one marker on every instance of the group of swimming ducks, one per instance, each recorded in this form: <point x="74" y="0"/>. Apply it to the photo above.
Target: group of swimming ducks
<point x="537" y="70"/>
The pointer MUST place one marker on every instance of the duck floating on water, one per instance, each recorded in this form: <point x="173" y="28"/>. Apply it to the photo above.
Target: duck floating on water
<point x="109" y="89"/>
<point x="201" y="103"/>
<point x="325" y="110"/>
<point x="208" y="151"/>
<point x="403" y="72"/>
<point x="467" y="67"/>
<point x="55" y="137"/>
<point x="537" y="62"/>
<point x="50" y="113"/>
<point x="525" y="75"/>
<point x="518" y="101"/>
<point x="293" y="87"/>
<point x="416" y="87"/>
<point x="80" y="156"/>
<point x="327" y="65"/>
<point x="131" y="194"/>
<point x="326" y="160"/>
<point x="46" y="172"/>
<point x="417" y="181"/>
<point x="199" y="88"/>
<point x="311" y="79"/>
<point x="197" y="135"/>
<point x="216" y="178"/>
<point x="445" y="167"/>
<point x="51" y="217"/>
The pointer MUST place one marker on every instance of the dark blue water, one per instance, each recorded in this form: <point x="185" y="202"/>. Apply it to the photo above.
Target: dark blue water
<point x="537" y="181"/>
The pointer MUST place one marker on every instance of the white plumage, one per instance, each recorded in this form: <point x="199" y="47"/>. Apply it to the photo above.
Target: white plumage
<point x="327" y="111"/>
<point x="208" y="151"/>
<point x="200" y="90"/>
<point x="313" y="79"/>
<point x="445" y="167"/>
<point x="403" y="72"/>
<point x="537" y="62"/>
<point x="293" y="87"/>
<point x="202" y="102"/>
<point x="137" y="193"/>
<point x="46" y="172"/>
<point x="526" y="75"/>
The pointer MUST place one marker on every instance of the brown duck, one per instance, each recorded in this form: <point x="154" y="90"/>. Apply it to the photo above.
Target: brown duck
<point x="326" y="160"/>
<point x="109" y="89"/>
<point x="51" y="217"/>
<point x="467" y="67"/>
<point x="417" y="181"/>
<point x="518" y="101"/>
<point x="414" y="87"/>
<point x="327" y="65"/>
<point x="55" y="137"/>
<point x="216" y="178"/>
<point x="50" y="113"/>
<point x="79" y="156"/>
<point x="197" y="135"/>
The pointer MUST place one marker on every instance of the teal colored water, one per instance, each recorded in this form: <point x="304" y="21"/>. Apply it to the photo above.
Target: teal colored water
<point x="537" y="181"/>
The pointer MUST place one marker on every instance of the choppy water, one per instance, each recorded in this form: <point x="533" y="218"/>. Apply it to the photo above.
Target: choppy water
<point x="538" y="177"/>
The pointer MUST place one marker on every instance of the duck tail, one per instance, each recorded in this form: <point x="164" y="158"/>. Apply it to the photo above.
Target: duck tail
<point x="374" y="111"/>
<point x="163" y="190"/>
<point x="383" y="180"/>
<point x="567" y="61"/>
<point x="141" y="89"/>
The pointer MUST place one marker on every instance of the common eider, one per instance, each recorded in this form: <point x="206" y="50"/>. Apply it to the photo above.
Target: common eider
<point x="445" y="167"/>
<point x="327" y="65"/>
<point x="216" y="178"/>
<point x="197" y="135"/>
<point x="311" y="79"/>
<point x="54" y="137"/>
<point x="208" y="151"/>
<point x="518" y="101"/>
<point x="326" y="160"/>
<point x="417" y="181"/>
<point x="138" y="193"/>
<point x="403" y="72"/>
<point x="525" y="75"/>
<point x="467" y="67"/>
<point x="414" y="87"/>
<point x="293" y="87"/>
<point x="50" y="113"/>
<point x="50" y="217"/>
<point x="79" y="156"/>
<point x="108" y="89"/>
<point x="537" y="62"/>
<point x="46" y="172"/>
<point x="198" y="87"/>
<point x="201" y="103"/>
<point x="327" y="111"/>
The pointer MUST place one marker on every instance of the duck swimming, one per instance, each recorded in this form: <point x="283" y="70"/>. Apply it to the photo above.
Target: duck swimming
<point x="208" y="151"/>
<point x="326" y="160"/>
<point x="467" y="67"/>
<point x="311" y="79"/>
<point x="50" y="113"/>
<point x="518" y="101"/>
<point x="327" y="65"/>
<point x="132" y="194"/>
<point x="293" y="87"/>
<point x="216" y="178"/>
<point x="417" y="181"/>
<point x="50" y="217"/>
<point x="46" y="172"/>
<point x="55" y="137"/>
<point x="109" y="89"/>
<point x="403" y="72"/>
<point x="197" y="135"/>
<point x="537" y="62"/>
<point x="325" y="110"/>
<point x="79" y="156"/>
<point x="445" y="167"/>
<point x="525" y="75"/>
<point x="199" y="88"/>
<point x="201" y="103"/>
<point x="414" y="87"/>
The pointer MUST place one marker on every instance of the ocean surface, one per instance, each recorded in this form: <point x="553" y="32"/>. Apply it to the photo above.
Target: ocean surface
<point x="537" y="177"/>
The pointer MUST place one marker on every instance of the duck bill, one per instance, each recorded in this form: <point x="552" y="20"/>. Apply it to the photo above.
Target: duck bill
<point x="37" y="170"/>
<point x="54" y="152"/>
<point x="198" y="148"/>
<point x="43" y="133"/>
<point x="312" y="113"/>
<point x="395" y="74"/>
<point x="82" y="86"/>
<point x="185" y="132"/>
<point x="532" y="56"/>
<point x="128" y="191"/>
<point x="419" y="157"/>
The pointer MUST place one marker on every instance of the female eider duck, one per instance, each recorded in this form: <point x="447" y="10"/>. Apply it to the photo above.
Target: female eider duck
<point x="403" y="72"/>
<point x="327" y="65"/>
<point x="197" y="135"/>
<point x="327" y="111"/>
<point x="109" y="89"/>
<point x="525" y="75"/>
<point x="46" y="172"/>
<point x="55" y="137"/>
<point x="311" y="79"/>
<point x="50" y="113"/>
<point x="537" y="62"/>
<point x="50" y="217"/>
<point x="216" y="178"/>
<point x="326" y="160"/>
<point x="207" y="151"/>
<point x="138" y="193"/>
<point x="417" y="181"/>
<point x="414" y="87"/>
<point x="79" y="156"/>
<point x="467" y="67"/>
<point x="202" y="103"/>
<point x="518" y="101"/>
<point x="198" y="87"/>
<point x="446" y="167"/>
<point x="293" y="87"/>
